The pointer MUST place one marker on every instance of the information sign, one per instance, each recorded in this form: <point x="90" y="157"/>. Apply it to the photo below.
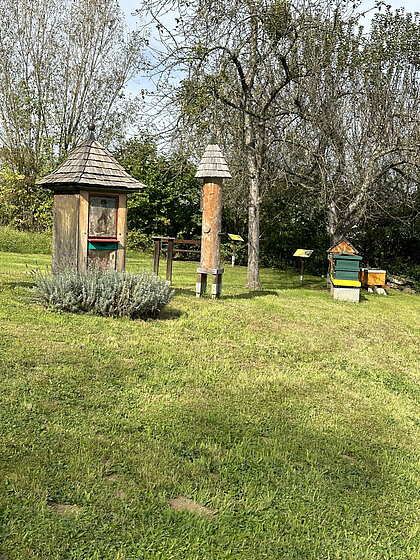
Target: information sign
<point x="235" y="237"/>
<point x="305" y="253"/>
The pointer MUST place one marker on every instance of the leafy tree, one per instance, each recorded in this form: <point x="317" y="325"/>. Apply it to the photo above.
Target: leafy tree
<point x="23" y="206"/>
<point x="360" y="117"/>
<point x="170" y="205"/>
<point x="242" y="64"/>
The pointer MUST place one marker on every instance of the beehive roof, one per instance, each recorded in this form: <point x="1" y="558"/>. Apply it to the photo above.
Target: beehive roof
<point x="343" y="246"/>
<point x="91" y="165"/>
<point x="213" y="164"/>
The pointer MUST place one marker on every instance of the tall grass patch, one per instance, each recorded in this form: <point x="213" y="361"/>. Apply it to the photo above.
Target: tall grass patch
<point x="103" y="292"/>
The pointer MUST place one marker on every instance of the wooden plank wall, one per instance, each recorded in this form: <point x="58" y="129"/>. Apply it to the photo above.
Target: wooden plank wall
<point x="84" y="229"/>
<point x="65" y="231"/>
<point x="122" y="231"/>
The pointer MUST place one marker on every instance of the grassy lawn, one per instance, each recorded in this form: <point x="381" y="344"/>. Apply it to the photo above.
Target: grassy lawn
<point x="292" y="418"/>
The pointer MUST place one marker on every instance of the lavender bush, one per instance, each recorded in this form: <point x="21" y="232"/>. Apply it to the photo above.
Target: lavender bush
<point x="107" y="292"/>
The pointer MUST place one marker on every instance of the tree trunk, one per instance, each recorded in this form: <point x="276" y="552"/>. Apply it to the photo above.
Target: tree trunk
<point x="253" y="275"/>
<point x="336" y="228"/>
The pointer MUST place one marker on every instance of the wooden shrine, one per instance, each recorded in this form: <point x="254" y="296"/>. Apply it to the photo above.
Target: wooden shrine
<point x="212" y="169"/>
<point x="90" y="208"/>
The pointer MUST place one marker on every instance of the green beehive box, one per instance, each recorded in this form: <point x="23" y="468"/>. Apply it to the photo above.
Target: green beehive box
<point x="347" y="262"/>
<point x="346" y="275"/>
<point x="346" y="267"/>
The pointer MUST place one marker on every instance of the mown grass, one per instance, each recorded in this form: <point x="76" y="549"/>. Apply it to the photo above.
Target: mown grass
<point x="292" y="417"/>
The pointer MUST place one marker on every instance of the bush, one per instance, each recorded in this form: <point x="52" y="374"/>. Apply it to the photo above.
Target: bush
<point x="139" y="241"/>
<point x="14" y="241"/>
<point x="108" y="293"/>
<point x="23" y="204"/>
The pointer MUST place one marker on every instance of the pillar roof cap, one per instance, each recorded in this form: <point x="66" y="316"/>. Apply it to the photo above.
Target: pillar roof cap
<point x="213" y="163"/>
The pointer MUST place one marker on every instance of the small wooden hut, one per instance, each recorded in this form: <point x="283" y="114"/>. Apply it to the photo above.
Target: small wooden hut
<point x="90" y="208"/>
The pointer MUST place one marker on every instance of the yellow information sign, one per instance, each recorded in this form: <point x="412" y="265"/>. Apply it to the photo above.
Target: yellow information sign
<point x="305" y="253"/>
<point x="235" y="237"/>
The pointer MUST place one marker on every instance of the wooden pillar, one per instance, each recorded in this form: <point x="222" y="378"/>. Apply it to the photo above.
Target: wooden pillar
<point x="210" y="238"/>
<point x="212" y="169"/>
<point x="211" y="223"/>
<point x="122" y="231"/>
<point x="83" y="230"/>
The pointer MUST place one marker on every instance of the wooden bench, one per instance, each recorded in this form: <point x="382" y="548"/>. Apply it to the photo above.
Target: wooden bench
<point x="171" y="248"/>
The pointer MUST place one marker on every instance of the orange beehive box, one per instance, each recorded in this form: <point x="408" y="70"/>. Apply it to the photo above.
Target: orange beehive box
<point x="372" y="277"/>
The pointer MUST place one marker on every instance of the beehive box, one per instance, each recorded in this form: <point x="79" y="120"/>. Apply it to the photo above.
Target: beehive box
<point x="346" y="267"/>
<point x="372" y="277"/>
<point x="345" y="277"/>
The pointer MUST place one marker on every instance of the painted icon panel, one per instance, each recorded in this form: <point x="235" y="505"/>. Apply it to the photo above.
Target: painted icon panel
<point x="103" y="216"/>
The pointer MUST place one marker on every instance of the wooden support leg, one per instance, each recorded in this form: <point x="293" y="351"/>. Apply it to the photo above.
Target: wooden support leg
<point x="216" y="286"/>
<point x="201" y="285"/>
<point x="169" y="260"/>
<point x="156" y="255"/>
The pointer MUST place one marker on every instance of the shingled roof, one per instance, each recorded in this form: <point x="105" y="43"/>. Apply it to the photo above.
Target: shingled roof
<point x="213" y="164"/>
<point x="92" y="166"/>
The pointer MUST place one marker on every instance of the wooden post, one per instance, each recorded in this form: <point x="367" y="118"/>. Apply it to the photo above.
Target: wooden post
<point x="234" y="253"/>
<point x="122" y="231"/>
<point x="301" y="270"/>
<point x="156" y="255"/>
<point x="170" y="256"/>
<point x="216" y="286"/>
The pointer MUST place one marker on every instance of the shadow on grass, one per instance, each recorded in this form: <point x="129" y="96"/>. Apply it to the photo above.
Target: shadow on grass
<point x="183" y="292"/>
<point x="272" y="290"/>
<point x="246" y="295"/>
<point x="252" y="294"/>
<point x="168" y="314"/>
<point x="14" y="285"/>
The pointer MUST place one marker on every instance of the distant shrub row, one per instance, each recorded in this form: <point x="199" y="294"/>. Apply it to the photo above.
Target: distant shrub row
<point x="14" y="241"/>
<point x="108" y="293"/>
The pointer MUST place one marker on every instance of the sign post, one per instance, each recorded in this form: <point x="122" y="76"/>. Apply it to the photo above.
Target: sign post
<point x="234" y="237"/>
<point x="303" y="254"/>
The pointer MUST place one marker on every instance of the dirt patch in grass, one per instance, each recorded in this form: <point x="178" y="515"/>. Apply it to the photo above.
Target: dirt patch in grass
<point x="185" y="504"/>
<point x="63" y="509"/>
<point x="349" y="458"/>
<point x="113" y="477"/>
